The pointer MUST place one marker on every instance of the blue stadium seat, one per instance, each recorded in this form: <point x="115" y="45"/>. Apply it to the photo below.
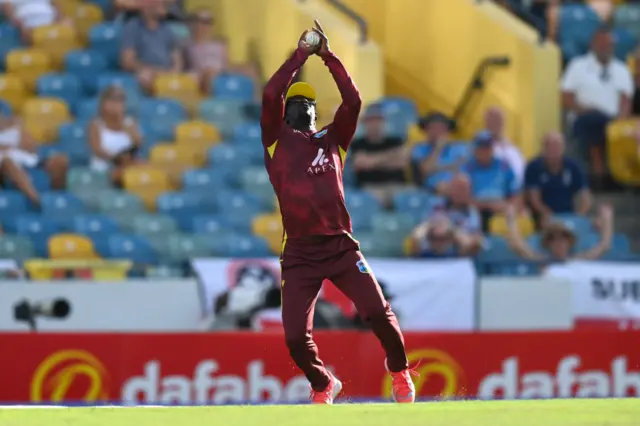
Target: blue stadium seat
<point x="61" y="207"/>
<point x="393" y="224"/>
<point x="13" y="204"/>
<point x="621" y="244"/>
<point x="625" y="43"/>
<point x="224" y="113"/>
<point x="183" y="206"/>
<point x="5" y="108"/>
<point x="98" y="228"/>
<point x="16" y="247"/>
<point x="397" y="127"/>
<point x="105" y="39"/>
<point x="38" y="229"/>
<point x="627" y="16"/>
<point x="161" y="109"/>
<point x="516" y="269"/>
<point x="228" y="155"/>
<point x="211" y="224"/>
<point x="120" y="202"/>
<point x="581" y="225"/>
<point x="247" y="132"/>
<point x="232" y="202"/>
<point x="362" y="202"/>
<point x="208" y="179"/>
<point x="76" y="146"/>
<point x="414" y="202"/>
<point x="360" y="220"/>
<point x="105" y="5"/>
<point x="233" y="86"/>
<point x="86" y="65"/>
<point x="88" y="108"/>
<point x="9" y="40"/>
<point x="131" y="247"/>
<point x="495" y="254"/>
<point x="577" y="24"/>
<point x="62" y="86"/>
<point x="39" y="177"/>
<point x="400" y="107"/>
<point x="374" y="246"/>
<point x="243" y="246"/>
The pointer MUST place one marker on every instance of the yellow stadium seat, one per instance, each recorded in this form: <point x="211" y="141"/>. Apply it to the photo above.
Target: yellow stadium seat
<point x="197" y="131"/>
<point x="416" y="135"/>
<point x="498" y="225"/>
<point x="269" y="226"/>
<point x="43" y="116"/>
<point x="57" y="40"/>
<point x="147" y="182"/>
<point x="174" y="154"/>
<point x="28" y="65"/>
<point x="12" y="91"/>
<point x="181" y="87"/>
<point x="622" y="151"/>
<point x="71" y="246"/>
<point x="85" y="16"/>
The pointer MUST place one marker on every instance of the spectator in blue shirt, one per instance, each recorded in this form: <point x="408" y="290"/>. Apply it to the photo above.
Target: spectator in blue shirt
<point x="436" y="159"/>
<point x="493" y="184"/>
<point x="554" y="183"/>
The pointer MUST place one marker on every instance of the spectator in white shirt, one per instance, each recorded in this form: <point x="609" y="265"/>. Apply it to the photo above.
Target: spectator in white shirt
<point x="503" y="149"/>
<point x="597" y="88"/>
<point x="30" y="14"/>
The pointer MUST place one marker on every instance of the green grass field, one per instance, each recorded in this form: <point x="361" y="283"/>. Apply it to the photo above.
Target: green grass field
<point x="611" y="412"/>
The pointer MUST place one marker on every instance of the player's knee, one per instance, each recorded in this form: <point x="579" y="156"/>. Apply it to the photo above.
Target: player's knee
<point x="376" y="312"/>
<point x="296" y="340"/>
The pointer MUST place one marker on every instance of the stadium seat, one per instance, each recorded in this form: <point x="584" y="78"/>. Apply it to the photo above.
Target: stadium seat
<point x="247" y="132"/>
<point x="229" y="155"/>
<point x="43" y="116"/>
<point x="57" y="40"/>
<point x="98" y="228"/>
<point x="140" y="177"/>
<point x="198" y="133"/>
<point x="243" y="246"/>
<point x="105" y="5"/>
<point x="578" y="224"/>
<point x="233" y="86"/>
<point x="400" y="107"/>
<point x="256" y="181"/>
<point x="132" y="247"/>
<point x="210" y="224"/>
<point x="127" y="82"/>
<point x="414" y="202"/>
<point x="62" y="86"/>
<point x="362" y="201"/>
<point x="237" y="201"/>
<point x="224" y="113"/>
<point x="577" y="23"/>
<point x="12" y="91"/>
<point x="38" y="229"/>
<point x="123" y="203"/>
<point x="394" y="225"/>
<point x="625" y="43"/>
<point x="85" y="16"/>
<point x="498" y="225"/>
<point x="9" y="40"/>
<point x="207" y="179"/>
<point x="627" y="16"/>
<point x="622" y="152"/>
<point x="161" y="109"/>
<point x="183" y="206"/>
<point x="12" y="205"/>
<point x="183" y="247"/>
<point x="374" y="246"/>
<point x="61" y="207"/>
<point x="154" y="224"/>
<point x="620" y="246"/>
<point x="80" y="178"/>
<point x="16" y="247"/>
<point x="181" y="87"/>
<point x="28" y="65"/>
<point x="174" y="155"/>
<point x="86" y="65"/>
<point x="39" y="178"/>
<point x="105" y="39"/>
<point x="269" y="227"/>
<point x="72" y="141"/>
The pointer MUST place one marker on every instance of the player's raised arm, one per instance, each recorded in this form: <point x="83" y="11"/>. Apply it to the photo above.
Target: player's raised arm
<point x="345" y="120"/>
<point x="273" y="94"/>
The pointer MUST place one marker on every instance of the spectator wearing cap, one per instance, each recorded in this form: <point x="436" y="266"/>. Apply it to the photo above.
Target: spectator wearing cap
<point x="503" y="149"/>
<point x="379" y="160"/>
<point x="433" y="160"/>
<point x="493" y="184"/>
<point x="597" y="88"/>
<point x="150" y="46"/>
<point x="555" y="183"/>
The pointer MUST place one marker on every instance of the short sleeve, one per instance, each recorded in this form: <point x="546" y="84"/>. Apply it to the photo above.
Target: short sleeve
<point x="531" y="176"/>
<point x="130" y="34"/>
<point x="570" y="79"/>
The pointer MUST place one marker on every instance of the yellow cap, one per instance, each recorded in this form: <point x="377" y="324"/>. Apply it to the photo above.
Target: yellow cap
<point x="301" y="89"/>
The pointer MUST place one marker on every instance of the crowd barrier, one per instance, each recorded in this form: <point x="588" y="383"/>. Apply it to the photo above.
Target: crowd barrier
<point x="255" y="367"/>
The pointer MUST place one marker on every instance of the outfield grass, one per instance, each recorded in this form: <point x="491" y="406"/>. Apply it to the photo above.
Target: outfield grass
<point x="611" y="412"/>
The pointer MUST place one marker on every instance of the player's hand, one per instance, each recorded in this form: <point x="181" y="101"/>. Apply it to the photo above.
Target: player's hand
<point x="302" y="44"/>
<point x="324" y="41"/>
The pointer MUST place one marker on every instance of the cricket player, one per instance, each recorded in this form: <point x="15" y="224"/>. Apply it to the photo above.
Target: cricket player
<point x="305" y="168"/>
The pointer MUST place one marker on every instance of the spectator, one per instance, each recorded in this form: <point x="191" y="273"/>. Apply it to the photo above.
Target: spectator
<point x="29" y="14"/>
<point x="379" y="161"/>
<point x="458" y="207"/>
<point x="597" y="88"/>
<point x="503" y="149"/>
<point x="17" y="144"/>
<point x="554" y="183"/>
<point x="558" y="241"/>
<point x="494" y="185"/>
<point x="635" y="106"/>
<point x="432" y="160"/>
<point x="149" y="45"/>
<point x="439" y="237"/>
<point x="114" y="137"/>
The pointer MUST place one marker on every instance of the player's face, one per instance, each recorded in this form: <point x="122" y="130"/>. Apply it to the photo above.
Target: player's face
<point x="300" y="113"/>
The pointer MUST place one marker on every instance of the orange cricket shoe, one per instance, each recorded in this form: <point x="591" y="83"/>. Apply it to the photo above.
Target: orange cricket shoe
<point x="404" y="391"/>
<point x="328" y="395"/>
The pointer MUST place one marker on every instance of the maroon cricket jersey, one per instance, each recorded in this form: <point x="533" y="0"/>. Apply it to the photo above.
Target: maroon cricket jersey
<point x="305" y="168"/>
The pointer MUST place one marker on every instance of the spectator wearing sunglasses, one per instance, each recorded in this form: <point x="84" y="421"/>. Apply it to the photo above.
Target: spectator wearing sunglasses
<point x="597" y="88"/>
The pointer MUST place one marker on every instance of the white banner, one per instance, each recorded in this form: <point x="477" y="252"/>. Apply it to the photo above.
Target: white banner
<point x="133" y="305"/>
<point x="426" y="294"/>
<point x="602" y="291"/>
